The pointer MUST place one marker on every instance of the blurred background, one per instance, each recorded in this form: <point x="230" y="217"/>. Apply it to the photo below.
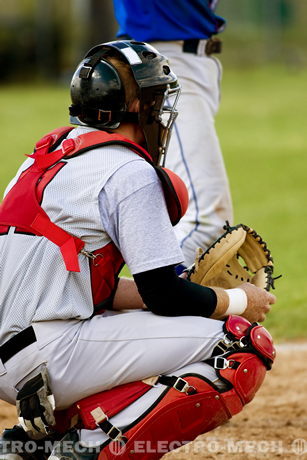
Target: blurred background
<point x="261" y="122"/>
<point x="45" y="38"/>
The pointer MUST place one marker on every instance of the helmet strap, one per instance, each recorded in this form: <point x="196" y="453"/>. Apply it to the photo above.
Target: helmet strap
<point x="130" y="117"/>
<point x="103" y="116"/>
<point x="88" y="67"/>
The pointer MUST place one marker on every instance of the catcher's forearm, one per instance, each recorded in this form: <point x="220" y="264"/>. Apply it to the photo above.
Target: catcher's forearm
<point x="127" y="296"/>
<point x="229" y="302"/>
<point x="181" y="298"/>
<point x="164" y="293"/>
<point x="221" y="304"/>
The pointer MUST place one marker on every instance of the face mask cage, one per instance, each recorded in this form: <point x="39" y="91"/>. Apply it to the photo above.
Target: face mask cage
<point x="167" y="116"/>
<point x="157" y="115"/>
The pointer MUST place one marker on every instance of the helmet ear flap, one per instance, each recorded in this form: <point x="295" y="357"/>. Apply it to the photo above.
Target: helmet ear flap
<point x="175" y="193"/>
<point x="97" y="94"/>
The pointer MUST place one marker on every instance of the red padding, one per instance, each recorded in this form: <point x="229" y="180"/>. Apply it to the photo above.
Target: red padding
<point x="175" y="193"/>
<point x="110" y="401"/>
<point x="177" y="417"/>
<point x="237" y="326"/>
<point x="104" y="272"/>
<point x="248" y="377"/>
<point x="263" y="342"/>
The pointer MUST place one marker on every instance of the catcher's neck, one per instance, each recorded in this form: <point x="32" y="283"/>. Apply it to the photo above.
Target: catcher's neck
<point x="132" y="132"/>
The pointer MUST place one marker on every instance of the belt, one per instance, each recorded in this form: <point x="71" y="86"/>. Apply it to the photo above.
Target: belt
<point x="201" y="47"/>
<point x="17" y="343"/>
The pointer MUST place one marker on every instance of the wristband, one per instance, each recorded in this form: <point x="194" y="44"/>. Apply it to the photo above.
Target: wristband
<point x="237" y="301"/>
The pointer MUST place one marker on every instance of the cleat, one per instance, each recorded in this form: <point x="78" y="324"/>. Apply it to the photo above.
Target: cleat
<point x="69" y="448"/>
<point x="15" y="444"/>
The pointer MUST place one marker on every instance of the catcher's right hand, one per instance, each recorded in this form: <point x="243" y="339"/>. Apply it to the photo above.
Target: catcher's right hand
<point x="259" y="303"/>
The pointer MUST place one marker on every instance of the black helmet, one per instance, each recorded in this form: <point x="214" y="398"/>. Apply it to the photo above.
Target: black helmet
<point x="98" y="93"/>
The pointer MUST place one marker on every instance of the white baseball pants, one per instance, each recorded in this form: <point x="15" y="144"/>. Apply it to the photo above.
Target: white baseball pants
<point x="85" y="357"/>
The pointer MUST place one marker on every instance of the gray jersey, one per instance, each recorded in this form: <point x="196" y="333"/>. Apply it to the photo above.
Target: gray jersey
<point x="105" y="194"/>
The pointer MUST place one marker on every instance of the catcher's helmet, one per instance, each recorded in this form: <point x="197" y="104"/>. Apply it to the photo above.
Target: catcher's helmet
<point x="98" y="92"/>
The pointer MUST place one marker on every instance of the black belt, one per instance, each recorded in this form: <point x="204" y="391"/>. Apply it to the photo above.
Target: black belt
<point x="213" y="45"/>
<point x="17" y="343"/>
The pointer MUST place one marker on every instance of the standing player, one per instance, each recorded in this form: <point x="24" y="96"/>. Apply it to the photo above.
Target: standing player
<point x="183" y="30"/>
<point x="89" y="199"/>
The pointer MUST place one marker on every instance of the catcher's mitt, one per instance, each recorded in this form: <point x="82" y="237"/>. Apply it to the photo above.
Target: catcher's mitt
<point x="220" y="264"/>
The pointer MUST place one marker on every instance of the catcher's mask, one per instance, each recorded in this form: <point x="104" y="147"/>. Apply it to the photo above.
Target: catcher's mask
<point x="98" y="93"/>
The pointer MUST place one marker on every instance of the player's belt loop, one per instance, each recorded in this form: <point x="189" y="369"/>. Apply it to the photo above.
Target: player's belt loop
<point x="213" y="46"/>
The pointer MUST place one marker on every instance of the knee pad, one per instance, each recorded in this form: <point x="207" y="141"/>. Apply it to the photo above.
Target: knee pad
<point x="241" y="360"/>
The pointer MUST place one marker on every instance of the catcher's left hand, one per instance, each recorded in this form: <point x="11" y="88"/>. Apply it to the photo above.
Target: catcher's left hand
<point x="219" y="267"/>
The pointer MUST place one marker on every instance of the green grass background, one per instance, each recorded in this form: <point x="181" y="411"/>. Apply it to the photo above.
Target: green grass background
<point x="262" y="129"/>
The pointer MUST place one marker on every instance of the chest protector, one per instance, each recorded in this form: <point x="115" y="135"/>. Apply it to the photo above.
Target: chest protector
<point x="21" y="207"/>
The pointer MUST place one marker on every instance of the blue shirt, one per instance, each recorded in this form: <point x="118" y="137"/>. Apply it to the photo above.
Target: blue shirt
<point x="150" y="20"/>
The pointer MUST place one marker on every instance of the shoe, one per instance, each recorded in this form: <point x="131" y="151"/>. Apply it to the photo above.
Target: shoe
<point x="11" y="443"/>
<point x="69" y="448"/>
<point x="15" y="444"/>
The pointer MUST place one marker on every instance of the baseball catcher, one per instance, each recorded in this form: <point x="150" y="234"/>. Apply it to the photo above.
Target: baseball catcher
<point x="92" y="197"/>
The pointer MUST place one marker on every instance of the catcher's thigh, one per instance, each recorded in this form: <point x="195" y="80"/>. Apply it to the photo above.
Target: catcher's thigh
<point x="105" y="352"/>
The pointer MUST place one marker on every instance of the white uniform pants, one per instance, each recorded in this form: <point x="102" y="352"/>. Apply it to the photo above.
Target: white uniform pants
<point x="194" y="152"/>
<point x="85" y="357"/>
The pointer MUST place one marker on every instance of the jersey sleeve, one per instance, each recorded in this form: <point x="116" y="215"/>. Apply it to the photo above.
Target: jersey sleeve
<point x="134" y="214"/>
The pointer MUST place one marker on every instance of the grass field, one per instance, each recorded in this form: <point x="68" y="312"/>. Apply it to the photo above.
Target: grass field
<point x="262" y="129"/>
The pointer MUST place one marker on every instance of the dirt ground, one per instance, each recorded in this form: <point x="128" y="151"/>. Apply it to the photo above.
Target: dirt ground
<point x="272" y="426"/>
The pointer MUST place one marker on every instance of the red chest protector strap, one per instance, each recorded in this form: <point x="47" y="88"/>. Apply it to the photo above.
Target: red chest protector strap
<point x="21" y="207"/>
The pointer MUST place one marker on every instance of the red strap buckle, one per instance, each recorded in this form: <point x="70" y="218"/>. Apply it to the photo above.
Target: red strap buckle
<point x="68" y="145"/>
<point x="44" y="143"/>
